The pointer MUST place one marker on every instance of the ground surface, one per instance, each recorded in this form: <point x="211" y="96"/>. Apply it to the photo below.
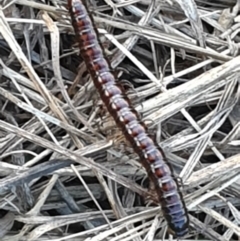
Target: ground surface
<point x="182" y="74"/>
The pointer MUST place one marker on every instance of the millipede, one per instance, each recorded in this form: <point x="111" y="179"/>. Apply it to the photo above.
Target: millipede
<point x="151" y="156"/>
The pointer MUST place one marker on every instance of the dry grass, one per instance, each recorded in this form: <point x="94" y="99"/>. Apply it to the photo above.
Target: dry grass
<point x="186" y="91"/>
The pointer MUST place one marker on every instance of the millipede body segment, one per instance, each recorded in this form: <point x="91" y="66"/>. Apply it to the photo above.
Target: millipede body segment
<point x="127" y="120"/>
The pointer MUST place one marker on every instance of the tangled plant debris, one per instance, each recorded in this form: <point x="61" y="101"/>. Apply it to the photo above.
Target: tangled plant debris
<point x="66" y="170"/>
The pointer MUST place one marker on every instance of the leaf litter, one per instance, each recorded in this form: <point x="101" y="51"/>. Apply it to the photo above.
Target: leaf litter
<point x="178" y="61"/>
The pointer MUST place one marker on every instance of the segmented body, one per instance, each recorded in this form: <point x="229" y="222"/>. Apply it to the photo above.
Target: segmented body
<point x="127" y="120"/>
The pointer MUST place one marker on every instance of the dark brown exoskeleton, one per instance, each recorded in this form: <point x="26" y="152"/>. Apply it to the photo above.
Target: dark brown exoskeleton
<point x="127" y="120"/>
